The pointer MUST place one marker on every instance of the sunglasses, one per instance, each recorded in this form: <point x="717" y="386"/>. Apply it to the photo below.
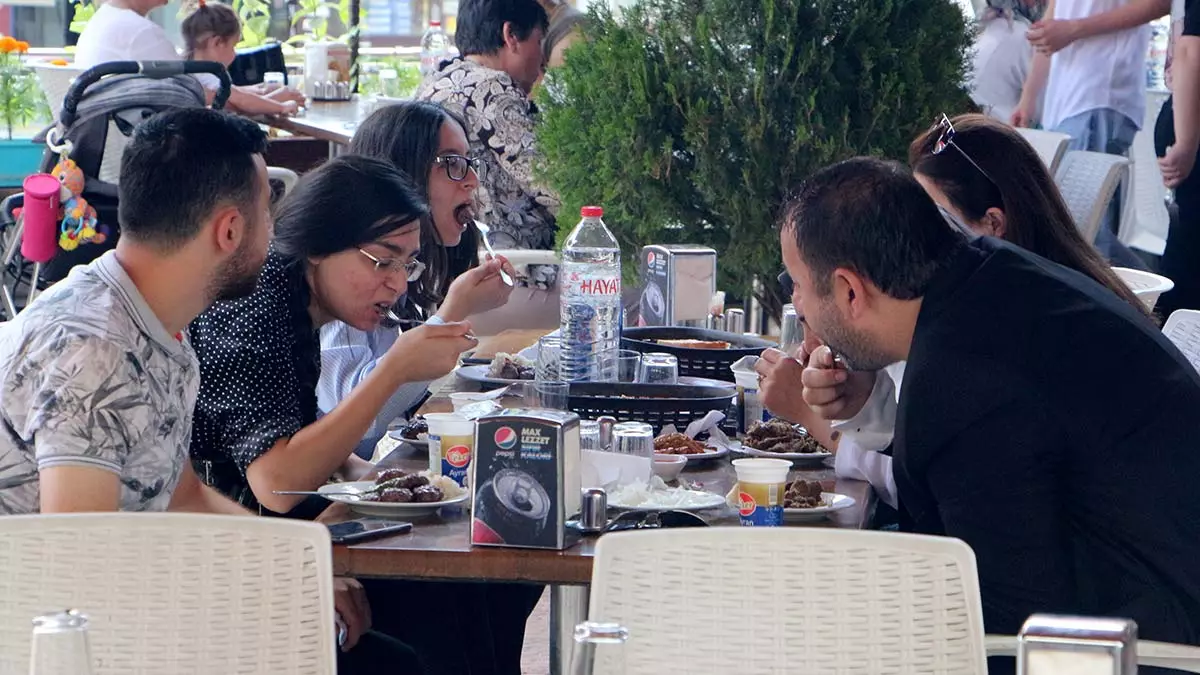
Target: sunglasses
<point x="944" y="129"/>
<point x="457" y="166"/>
<point x="654" y="520"/>
<point x="786" y="285"/>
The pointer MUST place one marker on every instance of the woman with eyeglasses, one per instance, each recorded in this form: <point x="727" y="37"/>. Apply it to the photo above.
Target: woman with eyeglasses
<point x="988" y="181"/>
<point x="428" y="143"/>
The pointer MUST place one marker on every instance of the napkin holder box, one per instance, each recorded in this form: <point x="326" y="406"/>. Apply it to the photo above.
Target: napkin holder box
<point x="526" y="479"/>
<point x="678" y="283"/>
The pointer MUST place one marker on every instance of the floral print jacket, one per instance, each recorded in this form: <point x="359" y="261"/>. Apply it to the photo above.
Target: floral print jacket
<point x="500" y="128"/>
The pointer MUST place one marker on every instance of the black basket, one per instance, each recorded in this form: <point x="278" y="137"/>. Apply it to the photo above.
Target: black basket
<point x="655" y="404"/>
<point x="711" y="363"/>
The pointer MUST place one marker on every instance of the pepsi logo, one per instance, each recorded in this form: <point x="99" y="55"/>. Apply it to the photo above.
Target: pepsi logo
<point x="459" y="456"/>
<point x="650" y="257"/>
<point x="746" y="503"/>
<point x="505" y="438"/>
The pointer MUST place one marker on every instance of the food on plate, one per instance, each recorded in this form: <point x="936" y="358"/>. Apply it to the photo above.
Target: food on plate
<point x="780" y="436"/>
<point x="413" y="430"/>
<point x="802" y="494"/>
<point x="398" y="486"/>
<point x="394" y="495"/>
<point x="427" y="493"/>
<point x="695" y="344"/>
<point x="511" y="367"/>
<point x="678" y="444"/>
<point x="657" y="495"/>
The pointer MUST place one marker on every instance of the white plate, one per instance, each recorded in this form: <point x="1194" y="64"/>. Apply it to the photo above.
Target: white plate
<point x="384" y="509"/>
<point x="795" y="457"/>
<point x="479" y="373"/>
<point x="709" y="501"/>
<point x="709" y="453"/>
<point x="422" y="440"/>
<point x="832" y="502"/>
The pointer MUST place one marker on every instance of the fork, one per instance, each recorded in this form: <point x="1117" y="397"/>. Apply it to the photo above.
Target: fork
<point x="483" y="231"/>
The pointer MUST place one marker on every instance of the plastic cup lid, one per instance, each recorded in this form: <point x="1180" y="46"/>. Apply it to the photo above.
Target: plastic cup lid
<point x="762" y="470"/>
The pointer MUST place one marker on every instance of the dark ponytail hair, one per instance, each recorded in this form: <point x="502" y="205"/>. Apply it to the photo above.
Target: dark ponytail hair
<point x="208" y="20"/>
<point x="345" y="203"/>
<point x="1036" y="217"/>
<point x="408" y="136"/>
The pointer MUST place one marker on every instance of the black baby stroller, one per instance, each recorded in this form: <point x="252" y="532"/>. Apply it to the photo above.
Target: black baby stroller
<point x="100" y="111"/>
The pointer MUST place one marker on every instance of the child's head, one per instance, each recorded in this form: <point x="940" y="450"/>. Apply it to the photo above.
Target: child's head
<point x="210" y="33"/>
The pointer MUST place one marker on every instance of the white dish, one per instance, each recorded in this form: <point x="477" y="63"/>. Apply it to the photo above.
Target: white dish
<point x="421" y="441"/>
<point x="700" y="502"/>
<point x="710" y="452"/>
<point x="832" y="502"/>
<point x="395" y="510"/>
<point x="795" y="457"/>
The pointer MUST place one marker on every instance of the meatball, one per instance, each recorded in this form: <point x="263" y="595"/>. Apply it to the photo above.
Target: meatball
<point x="388" y="475"/>
<point x="395" y="496"/>
<point x="427" y="493"/>
<point x="412" y="481"/>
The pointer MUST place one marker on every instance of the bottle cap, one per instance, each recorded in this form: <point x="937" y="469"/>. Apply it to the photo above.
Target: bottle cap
<point x="591" y="212"/>
<point x="435" y="22"/>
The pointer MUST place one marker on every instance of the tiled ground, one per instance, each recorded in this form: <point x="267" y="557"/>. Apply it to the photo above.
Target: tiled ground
<point x="535" y="660"/>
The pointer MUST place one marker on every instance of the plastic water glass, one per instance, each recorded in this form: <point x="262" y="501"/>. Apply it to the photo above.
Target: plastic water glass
<point x="658" y="369"/>
<point x="633" y="438"/>
<point x="599" y="642"/>
<point x="551" y="395"/>
<point x="790" y="335"/>
<point x="60" y="645"/>
<point x="274" y="80"/>
<point x="589" y="435"/>
<point x="628" y="363"/>
<point x="549" y="355"/>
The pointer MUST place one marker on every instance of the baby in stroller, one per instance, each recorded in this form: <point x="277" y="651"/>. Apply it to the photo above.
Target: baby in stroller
<point x="99" y="113"/>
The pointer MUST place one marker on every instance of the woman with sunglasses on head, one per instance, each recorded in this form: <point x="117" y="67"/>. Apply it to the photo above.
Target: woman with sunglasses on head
<point x="988" y="181"/>
<point x="428" y="143"/>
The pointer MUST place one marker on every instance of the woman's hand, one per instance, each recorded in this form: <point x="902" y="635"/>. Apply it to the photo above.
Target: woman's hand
<point x="430" y="351"/>
<point x="478" y="290"/>
<point x="285" y="94"/>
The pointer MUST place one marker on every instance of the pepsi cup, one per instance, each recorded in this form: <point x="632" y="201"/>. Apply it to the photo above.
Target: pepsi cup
<point x="759" y="493"/>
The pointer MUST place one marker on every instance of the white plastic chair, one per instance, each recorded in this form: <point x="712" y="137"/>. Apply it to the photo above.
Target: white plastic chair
<point x="1147" y="286"/>
<point x="1088" y="181"/>
<point x="1051" y="146"/>
<point x="796" y="600"/>
<point x="1144" y="218"/>
<point x="1183" y="328"/>
<point x="173" y="593"/>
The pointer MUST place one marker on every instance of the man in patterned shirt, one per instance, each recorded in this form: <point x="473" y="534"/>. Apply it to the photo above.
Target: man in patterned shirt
<point x="97" y="383"/>
<point x="502" y="59"/>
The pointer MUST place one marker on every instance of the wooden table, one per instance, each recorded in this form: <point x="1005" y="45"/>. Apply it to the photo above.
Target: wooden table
<point x="331" y="121"/>
<point x="439" y="548"/>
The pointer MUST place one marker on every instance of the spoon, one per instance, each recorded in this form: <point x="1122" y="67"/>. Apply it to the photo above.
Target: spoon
<point x="483" y="231"/>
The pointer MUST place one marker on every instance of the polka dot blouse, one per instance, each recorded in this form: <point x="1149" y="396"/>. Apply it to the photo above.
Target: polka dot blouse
<point x="259" y="367"/>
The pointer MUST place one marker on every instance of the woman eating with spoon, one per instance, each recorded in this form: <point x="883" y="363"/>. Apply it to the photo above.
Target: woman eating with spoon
<point x="429" y="143"/>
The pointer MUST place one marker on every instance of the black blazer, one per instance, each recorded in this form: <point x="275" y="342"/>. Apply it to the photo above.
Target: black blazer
<point x="1053" y="428"/>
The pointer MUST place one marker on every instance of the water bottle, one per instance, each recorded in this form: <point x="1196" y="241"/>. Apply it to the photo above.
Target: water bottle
<point x="434" y="48"/>
<point x="590" y="279"/>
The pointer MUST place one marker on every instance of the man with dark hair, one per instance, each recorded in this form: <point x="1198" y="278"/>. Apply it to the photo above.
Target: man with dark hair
<point x="502" y="59"/>
<point x="97" y="383"/>
<point x="1042" y="419"/>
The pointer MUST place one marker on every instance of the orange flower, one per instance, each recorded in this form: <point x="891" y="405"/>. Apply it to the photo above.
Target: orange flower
<point x="7" y="44"/>
<point x="22" y="46"/>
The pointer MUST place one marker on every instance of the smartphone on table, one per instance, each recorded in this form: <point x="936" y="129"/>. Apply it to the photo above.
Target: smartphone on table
<point x="354" y="531"/>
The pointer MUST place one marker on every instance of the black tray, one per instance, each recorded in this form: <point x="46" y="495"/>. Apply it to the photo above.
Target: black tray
<point x="655" y="404"/>
<point x="710" y="363"/>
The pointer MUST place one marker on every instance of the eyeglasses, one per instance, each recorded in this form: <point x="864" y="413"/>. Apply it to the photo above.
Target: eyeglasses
<point x="412" y="269"/>
<point x="457" y="165"/>
<point x="945" y="138"/>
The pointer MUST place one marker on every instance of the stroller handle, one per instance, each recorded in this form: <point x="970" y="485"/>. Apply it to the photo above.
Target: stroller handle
<point x="155" y="69"/>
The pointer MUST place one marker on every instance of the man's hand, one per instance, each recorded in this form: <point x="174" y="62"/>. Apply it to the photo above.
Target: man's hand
<point x="350" y="602"/>
<point x="1023" y="116"/>
<point x="779" y="386"/>
<point x="1051" y="35"/>
<point x="1177" y="165"/>
<point x="830" y="390"/>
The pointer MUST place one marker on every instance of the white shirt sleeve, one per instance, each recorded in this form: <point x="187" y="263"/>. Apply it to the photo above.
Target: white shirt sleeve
<point x="867" y="433"/>
<point x="347" y="357"/>
<point x="852" y="461"/>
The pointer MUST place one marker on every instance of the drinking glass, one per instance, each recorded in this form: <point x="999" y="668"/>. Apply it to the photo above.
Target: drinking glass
<point x="589" y="435"/>
<point x="658" y="369"/>
<point x="609" y="637"/>
<point x="273" y="80"/>
<point x="790" y="336"/>
<point x="628" y="363"/>
<point x="552" y="395"/>
<point x="633" y="438"/>
<point x="549" y="354"/>
<point x="389" y="83"/>
<point x="60" y="645"/>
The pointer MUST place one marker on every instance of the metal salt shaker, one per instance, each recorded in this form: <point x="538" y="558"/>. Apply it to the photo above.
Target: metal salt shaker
<point x="1051" y="645"/>
<point x="606" y="423"/>
<point x="593" y="511"/>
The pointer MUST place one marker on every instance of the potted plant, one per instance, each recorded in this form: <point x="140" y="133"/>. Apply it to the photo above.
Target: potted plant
<point x="21" y="104"/>
<point x="690" y="120"/>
